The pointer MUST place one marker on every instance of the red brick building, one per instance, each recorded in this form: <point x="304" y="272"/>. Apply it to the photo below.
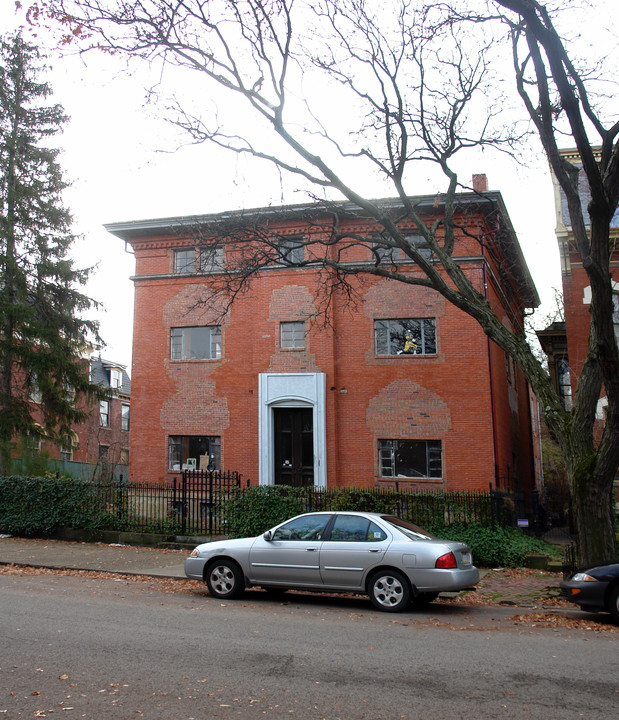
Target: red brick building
<point x="103" y="438"/>
<point x="566" y="345"/>
<point x="399" y="386"/>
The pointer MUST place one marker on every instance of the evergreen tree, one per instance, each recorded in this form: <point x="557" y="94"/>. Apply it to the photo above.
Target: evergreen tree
<point x="42" y="333"/>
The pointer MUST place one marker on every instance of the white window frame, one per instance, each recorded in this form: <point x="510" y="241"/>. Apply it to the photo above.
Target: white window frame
<point x="104" y="413"/>
<point x="125" y="417"/>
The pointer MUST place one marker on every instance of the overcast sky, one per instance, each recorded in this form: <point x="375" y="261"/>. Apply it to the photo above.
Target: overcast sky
<point x="112" y="154"/>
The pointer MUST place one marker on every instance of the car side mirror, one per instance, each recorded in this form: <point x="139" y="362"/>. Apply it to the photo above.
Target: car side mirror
<point x="267" y="536"/>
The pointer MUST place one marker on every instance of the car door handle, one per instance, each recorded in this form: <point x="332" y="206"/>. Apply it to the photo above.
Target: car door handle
<point x="374" y="549"/>
<point x="310" y="549"/>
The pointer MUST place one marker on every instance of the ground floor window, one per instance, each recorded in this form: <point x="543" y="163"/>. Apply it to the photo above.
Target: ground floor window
<point x="66" y="448"/>
<point x="194" y="452"/>
<point x="410" y="458"/>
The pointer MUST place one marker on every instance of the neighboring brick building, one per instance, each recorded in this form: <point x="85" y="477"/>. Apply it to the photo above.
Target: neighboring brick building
<point x="103" y="438"/>
<point x="399" y="387"/>
<point x="571" y="346"/>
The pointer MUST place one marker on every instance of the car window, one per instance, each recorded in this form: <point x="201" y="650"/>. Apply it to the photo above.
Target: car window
<point x="308" y="527"/>
<point x="414" y="532"/>
<point x="350" y="528"/>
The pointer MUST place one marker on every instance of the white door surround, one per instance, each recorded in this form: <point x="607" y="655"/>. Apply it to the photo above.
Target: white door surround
<point x="291" y="390"/>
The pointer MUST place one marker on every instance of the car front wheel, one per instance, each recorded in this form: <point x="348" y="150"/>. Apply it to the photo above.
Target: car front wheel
<point x="224" y="579"/>
<point x="613" y="603"/>
<point x="389" y="590"/>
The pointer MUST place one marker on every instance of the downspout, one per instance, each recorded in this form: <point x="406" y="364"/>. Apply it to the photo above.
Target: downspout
<point x="491" y="371"/>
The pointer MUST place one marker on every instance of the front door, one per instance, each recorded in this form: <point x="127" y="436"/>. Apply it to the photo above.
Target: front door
<point x="294" y="446"/>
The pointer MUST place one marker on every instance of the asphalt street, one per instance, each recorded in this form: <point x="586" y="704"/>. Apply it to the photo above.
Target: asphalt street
<point x="118" y="648"/>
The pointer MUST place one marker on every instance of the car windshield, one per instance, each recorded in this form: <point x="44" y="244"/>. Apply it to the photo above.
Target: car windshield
<point x="414" y="532"/>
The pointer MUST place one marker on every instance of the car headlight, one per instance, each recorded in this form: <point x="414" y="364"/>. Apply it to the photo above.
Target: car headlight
<point x="195" y="553"/>
<point x="583" y="577"/>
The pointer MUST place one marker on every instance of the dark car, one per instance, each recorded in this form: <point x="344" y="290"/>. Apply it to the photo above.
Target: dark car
<point x="595" y="590"/>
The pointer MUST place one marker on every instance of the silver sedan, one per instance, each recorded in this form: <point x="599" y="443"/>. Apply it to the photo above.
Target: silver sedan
<point x="391" y="560"/>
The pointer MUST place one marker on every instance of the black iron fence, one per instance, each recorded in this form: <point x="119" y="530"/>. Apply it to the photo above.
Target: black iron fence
<point x="195" y="504"/>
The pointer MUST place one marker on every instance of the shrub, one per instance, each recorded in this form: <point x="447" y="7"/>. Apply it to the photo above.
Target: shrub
<point x="35" y="506"/>
<point x="254" y="510"/>
<point x="496" y="546"/>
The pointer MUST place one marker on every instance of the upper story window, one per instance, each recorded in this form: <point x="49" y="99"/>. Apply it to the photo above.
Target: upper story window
<point x="185" y="260"/>
<point x="211" y="258"/>
<point x="292" y="250"/>
<point x="104" y="413"/>
<point x="413" y="336"/>
<point x="195" y="343"/>
<point x="384" y="253"/>
<point x="410" y="458"/>
<point x="124" y="418"/>
<point x="292" y="335"/>
<point x="116" y="378"/>
<point x="420" y="244"/>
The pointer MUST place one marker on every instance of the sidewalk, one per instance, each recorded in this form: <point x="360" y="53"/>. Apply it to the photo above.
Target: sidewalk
<point x="125" y="559"/>
<point x="520" y="588"/>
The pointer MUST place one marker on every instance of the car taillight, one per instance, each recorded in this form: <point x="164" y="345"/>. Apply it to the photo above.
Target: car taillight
<point x="446" y="561"/>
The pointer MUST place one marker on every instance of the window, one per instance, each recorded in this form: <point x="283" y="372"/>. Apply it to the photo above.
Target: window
<point x="193" y="452"/>
<point x="308" y="527"/>
<point x="405" y="337"/>
<point x="420" y="244"/>
<point x="384" y="253"/>
<point x="350" y="528"/>
<point x="116" y="378"/>
<point x="124" y="456"/>
<point x="104" y="413"/>
<point x="195" y="343"/>
<point x="103" y="451"/>
<point x="410" y="458"/>
<point x="34" y="391"/>
<point x="292" y="334"/>
<point x="211" y="258"/>
<point x="564" y="382"/>
<point x="185" y="260"/>
<point x="33" y="441"/>
<point x="616" y="315"/>
<point x="292" y="250"/>
<point x="124" y="418"/>
<point x="66" y="449"/>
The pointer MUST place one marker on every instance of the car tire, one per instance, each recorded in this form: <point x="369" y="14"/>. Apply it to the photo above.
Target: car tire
<point x="224" y="579"/>
<point x="613" y="603"/>
<point x="389" y="591"/>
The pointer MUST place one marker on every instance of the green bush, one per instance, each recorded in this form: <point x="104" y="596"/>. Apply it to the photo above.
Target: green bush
<point x="37" y="506"/>
<point x="254" y="510"/>
<point x="496" y="546"/>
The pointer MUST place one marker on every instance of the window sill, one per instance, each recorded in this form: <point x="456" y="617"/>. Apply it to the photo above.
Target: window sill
<point x="408" y="356"/>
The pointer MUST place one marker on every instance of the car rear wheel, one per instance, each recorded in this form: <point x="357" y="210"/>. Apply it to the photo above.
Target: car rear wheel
<point x="224" y="579"/>
<point x="613" y="603"/>
<point x="389" y="590"/>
